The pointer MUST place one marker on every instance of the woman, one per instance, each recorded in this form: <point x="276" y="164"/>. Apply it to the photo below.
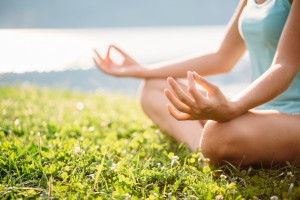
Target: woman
<point x="260" y="125"/>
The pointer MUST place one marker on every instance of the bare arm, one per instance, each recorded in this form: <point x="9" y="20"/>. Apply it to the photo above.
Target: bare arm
<point x="274" y="81"/>
<point x="284" y="68"/>
<point x="221" y="61"/>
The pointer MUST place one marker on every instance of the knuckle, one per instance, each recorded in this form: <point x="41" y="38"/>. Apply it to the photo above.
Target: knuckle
<point x="181" y="109"/>
<point x="181" y="98"/>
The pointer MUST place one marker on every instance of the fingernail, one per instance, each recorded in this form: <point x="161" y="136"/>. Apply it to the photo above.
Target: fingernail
<point x="170" y="79"/>
<point x="195" y="74"/>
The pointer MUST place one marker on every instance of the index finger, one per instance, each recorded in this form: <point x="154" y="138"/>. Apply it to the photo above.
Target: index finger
<point x="119" y="50"/>
<point x="98" y="56"/>
<point x="192" y="88"/>
<point x="182" y="96"/>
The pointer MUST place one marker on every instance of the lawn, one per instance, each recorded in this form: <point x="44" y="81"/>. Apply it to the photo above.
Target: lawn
<point x="75" y="145"/>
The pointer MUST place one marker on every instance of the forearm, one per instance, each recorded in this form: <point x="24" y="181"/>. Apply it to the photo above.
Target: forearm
<point x="208" y="64"/>
<point x="272" y="83"/>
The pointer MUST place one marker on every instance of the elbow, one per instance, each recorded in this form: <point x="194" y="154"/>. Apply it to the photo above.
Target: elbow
<point x="284" y="73"/>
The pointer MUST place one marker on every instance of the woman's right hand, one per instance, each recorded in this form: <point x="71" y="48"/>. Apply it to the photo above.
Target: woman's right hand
<point x="128" y="68"/>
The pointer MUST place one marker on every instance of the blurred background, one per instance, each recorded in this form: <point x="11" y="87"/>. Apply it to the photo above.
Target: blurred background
<point x="50" y="43"/>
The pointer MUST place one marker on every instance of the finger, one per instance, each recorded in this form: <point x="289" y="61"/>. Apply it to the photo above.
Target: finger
<point x="125" y="55"/>
<point x="120" y="51"/>
<point x="192" y="88"/>
<point x="95" y="61"/>
<point x="182" y="96"/>
<point x="99" y="57"/>
<point x="178" y="116"/>
<point x="101" y="67"/>
<point x="176" y="102"/>
<point x="209" y="87"/>
<point x="108" y="53"/>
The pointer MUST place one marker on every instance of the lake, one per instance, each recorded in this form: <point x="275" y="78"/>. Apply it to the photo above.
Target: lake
<point x="45" y="50"/>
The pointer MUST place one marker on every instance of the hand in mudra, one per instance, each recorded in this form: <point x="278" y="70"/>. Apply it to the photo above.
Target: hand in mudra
<point x="128" y="68"/>
<point x="194" y="105"/>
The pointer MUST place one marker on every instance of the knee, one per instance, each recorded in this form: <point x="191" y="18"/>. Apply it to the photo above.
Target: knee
<point x="218" y="142"/>
<point x="147" y="87"/>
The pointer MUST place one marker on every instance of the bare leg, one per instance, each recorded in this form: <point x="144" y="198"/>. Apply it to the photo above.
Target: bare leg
<point x="154" y="102"/>
<point x="257" y="137"/>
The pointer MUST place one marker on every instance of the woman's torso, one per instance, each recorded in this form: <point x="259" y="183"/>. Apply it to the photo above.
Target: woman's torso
<point x="261" y="26"/>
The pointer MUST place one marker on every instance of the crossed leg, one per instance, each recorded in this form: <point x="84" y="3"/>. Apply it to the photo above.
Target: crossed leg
<point x="153" y="102"/>
<point x="257" y="137"/>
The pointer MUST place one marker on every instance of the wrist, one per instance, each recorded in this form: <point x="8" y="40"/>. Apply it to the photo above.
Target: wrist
<point x="236" y="109"/>
<point x="141" y="72"/>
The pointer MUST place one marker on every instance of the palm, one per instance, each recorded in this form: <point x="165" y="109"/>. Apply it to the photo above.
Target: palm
<point x="128" y="68"/>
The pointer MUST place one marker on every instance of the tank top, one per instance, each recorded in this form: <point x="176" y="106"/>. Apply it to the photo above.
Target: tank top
<point x="261" y="25"/>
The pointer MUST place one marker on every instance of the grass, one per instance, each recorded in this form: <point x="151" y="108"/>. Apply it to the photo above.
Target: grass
<point x="62" y="144"/>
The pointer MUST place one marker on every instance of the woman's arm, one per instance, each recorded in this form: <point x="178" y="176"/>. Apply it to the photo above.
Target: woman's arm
<point x="221" y="61"/>
<point x="274" y="81"/>
<point x="284" y="68"/>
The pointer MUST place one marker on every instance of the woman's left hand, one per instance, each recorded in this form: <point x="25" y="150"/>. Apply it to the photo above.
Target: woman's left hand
<point x="196" y="106"/>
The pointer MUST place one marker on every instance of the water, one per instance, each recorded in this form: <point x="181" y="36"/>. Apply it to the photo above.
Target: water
<point x="24" y="50"/>
<point x="44" y="50"/>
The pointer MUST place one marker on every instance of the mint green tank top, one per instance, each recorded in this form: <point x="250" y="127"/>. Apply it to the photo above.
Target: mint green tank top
<point x="260" y="26"/>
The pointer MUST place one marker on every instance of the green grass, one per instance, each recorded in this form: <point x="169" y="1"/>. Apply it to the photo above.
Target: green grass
<point x="61" y="144"/>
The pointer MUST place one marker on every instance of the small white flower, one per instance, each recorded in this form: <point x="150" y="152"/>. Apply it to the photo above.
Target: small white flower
<point x="17" y="122"/>
<point x="289" y="175"/>
<point x="223" y="177"/>
<point x="80" y="106"/>
<point x="219" y="197"/>
<point x="77" y="150"/>
<point x="91" y="129"/>
<point x="127" y="195"/>
<point x="274" y="198"/>
<point x="113" y="167"/>
<point x="91" y="176"/>
<point x="81" y="138"/>
<point x="175" y="158"/>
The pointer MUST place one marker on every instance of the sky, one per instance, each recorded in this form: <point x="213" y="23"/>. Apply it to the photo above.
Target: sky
<point x="113" y="13"/>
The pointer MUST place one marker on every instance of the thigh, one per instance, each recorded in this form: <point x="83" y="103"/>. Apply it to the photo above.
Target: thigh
<point x="259" y="137"/>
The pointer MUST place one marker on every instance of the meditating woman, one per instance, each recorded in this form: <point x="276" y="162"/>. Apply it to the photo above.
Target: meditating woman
<point x="261" y="125"/>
